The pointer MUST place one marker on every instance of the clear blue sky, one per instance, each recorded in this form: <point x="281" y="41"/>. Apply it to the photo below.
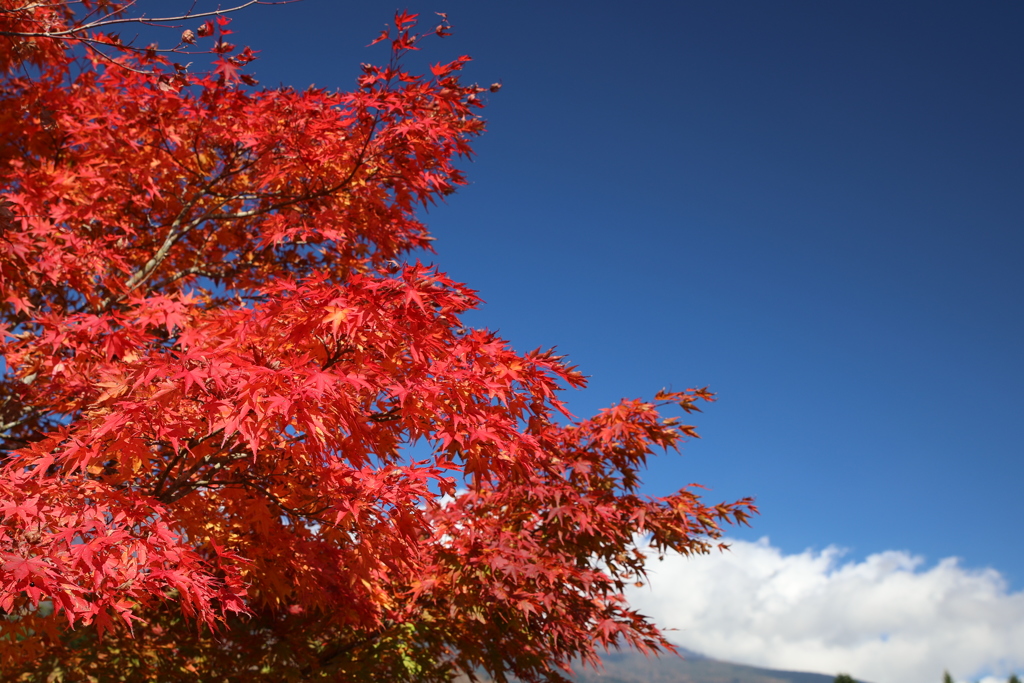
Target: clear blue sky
<point x="815" y="208"/>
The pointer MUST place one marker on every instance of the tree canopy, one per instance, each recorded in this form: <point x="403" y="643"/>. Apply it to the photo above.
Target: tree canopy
<point x="244" y="437"/>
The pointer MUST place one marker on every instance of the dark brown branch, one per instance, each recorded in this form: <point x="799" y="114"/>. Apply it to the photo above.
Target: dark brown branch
<point x="73" y="32"/>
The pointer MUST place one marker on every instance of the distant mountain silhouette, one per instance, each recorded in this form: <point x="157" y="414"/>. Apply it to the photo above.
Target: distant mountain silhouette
<point x="632" y="667"/>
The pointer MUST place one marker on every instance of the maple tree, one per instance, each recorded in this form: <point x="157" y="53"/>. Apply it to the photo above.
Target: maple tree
<point x="215" y="369"/>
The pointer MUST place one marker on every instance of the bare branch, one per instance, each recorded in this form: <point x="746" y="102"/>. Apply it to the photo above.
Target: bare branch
<point x="146" y="21"/>
<point x="78" y="32"/>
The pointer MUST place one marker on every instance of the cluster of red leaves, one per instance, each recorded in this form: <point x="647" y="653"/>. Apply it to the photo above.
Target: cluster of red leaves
<point x="223" y="399"/>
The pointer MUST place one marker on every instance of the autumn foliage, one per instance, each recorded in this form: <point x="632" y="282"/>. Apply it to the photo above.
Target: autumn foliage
<point x="243" y="438"/>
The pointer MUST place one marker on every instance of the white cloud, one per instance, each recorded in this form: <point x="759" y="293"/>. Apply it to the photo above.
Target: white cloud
<point x="885" y="619"/>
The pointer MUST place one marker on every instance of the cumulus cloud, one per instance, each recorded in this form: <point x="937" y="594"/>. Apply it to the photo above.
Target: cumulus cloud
<point x="887" y="619"/>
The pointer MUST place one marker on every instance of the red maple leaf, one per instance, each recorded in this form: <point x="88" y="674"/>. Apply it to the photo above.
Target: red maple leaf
<point x="225" y="393"/>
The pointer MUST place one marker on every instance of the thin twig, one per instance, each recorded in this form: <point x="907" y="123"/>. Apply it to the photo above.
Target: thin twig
<point x="102" y="23"/>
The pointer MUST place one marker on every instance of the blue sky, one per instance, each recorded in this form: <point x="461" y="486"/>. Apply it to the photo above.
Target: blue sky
<point x="817" y="209"/>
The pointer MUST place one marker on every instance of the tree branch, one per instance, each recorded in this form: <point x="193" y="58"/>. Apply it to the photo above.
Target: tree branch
<point x="73" y="32"/>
